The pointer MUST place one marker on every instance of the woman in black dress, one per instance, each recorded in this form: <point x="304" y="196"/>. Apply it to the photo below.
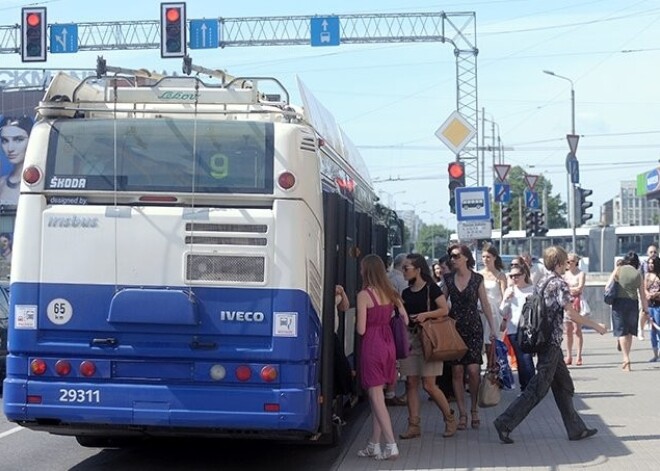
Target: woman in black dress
<point x="465" y="288"/>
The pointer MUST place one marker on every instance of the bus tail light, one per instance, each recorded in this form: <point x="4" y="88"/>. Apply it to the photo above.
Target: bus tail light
<point x="269" y="373"/>
<point x="243" y="373"/>
<point x="31" y="175"/>
<point x="33" y="399"/>
<point x="62" y="367"/>
<point x="38" y="366"/>
<point x="87" y="368"/>
<point x="286" y="180"/>
<point x="270" y="407"/>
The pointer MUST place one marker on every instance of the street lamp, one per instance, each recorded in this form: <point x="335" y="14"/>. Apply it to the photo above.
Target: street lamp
<point x="415" y="225"/>
<point x="391" y="202"/>
<point x="570" y="197"/>
<point x="443" y="218"/>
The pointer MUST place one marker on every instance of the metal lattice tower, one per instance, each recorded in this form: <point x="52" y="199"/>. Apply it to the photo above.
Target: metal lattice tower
<point x="458" y="29"/>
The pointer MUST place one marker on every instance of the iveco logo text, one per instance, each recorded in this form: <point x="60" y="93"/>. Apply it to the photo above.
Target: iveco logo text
<point x="242" y="316"/>
<point x="60" y="182"/>
<point x="73" y="221"/>
<point x="176" y="96"/>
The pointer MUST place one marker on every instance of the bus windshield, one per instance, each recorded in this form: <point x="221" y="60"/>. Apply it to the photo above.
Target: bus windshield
<point x="161" y="155"/>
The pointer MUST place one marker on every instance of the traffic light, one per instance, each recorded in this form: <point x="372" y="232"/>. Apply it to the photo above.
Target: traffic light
<point x="33" y="34"/>
<point x="530" y="223"/>
<point x="505" y="226"/>
<point x="456" y="171"/>
<point x="581" y="204"/>
<point x="540" y="228"/>
<point x="172" y="30"/>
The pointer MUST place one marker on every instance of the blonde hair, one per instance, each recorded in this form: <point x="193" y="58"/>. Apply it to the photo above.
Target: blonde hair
<point x="374" y="275"/>
<point x="554" y="256"/>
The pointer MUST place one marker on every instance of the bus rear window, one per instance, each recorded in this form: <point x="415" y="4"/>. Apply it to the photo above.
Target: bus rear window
<point x="161" y="155"/>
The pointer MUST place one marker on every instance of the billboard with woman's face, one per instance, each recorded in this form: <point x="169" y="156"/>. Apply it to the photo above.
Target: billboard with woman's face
<point x="14" y="135"/>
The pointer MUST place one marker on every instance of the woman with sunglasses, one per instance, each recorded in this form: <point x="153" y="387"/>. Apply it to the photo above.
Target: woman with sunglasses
<point x="465" y="289"/>
<point x="511" y="307"/>
<point x="423" y="300"/>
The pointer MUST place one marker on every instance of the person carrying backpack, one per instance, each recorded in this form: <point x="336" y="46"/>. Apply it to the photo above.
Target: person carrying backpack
<point x="551" y="371"/>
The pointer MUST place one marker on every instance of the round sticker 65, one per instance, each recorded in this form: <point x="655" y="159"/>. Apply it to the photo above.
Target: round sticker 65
<point x="59" y="311"/>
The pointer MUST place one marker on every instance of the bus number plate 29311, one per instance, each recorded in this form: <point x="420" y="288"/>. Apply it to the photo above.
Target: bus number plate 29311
<point x="80" y="395"/>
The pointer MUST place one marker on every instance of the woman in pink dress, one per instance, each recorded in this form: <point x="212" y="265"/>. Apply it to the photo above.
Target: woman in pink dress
<point x="375" y="305"/>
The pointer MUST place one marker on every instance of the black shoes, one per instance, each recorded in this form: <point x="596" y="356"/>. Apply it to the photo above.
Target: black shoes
<point x="503" y="433"/>
<point x="586" y="433"/>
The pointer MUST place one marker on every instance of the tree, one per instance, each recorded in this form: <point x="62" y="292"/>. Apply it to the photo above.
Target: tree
<point x="433" y="240"/>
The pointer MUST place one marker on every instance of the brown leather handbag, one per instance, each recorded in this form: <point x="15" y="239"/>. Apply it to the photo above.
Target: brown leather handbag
<point x="440" y="339"/>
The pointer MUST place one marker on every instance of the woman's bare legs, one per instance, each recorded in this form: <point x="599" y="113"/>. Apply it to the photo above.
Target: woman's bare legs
<point x="381" y="420"/>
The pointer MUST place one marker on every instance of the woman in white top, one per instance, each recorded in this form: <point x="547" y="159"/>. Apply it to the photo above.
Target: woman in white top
<point x="575" y="278"/>
<point x="511" y="308"/>
<point x="495" y="284"/>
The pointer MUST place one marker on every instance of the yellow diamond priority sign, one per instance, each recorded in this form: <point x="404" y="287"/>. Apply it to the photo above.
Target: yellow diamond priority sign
<point x="455" y="132"/>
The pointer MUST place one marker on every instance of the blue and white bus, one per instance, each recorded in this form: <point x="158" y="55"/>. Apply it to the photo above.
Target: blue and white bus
<point x="177" y="247"/>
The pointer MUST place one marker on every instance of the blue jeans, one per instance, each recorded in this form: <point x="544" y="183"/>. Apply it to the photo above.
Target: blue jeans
<point x="654" y="314"/>
<point x="551" y="372"/>
<point x="524" y="360"/>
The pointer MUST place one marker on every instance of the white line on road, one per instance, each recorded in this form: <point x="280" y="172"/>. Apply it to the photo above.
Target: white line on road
<point x="11" y="431"/>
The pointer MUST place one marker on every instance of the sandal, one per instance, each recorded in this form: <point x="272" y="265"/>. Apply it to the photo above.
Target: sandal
<point x="462" y="422"/>
<point x="579" y="362"/>
<point x="625" y="366"/>
<point x="475" y="419"/>
<point x="568" y="360"/>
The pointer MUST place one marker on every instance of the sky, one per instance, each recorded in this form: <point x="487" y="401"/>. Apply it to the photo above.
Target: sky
<point x="391" y="98"/>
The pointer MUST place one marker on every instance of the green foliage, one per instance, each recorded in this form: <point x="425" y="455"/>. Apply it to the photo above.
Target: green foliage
<point x="433" y="240"/>
<point x="555" y="215"/>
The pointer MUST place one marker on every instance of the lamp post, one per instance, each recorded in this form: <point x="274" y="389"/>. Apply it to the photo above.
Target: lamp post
<point x="433" y="243"/>
<point x="570" y="195"/>
<point x="415" y="225"/>
<point x="391" y="202"/>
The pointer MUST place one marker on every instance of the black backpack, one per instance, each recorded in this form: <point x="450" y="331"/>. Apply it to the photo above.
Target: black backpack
<point x="534" y="327"/>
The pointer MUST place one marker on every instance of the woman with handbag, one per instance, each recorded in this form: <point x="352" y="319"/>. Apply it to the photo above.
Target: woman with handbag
<point x="625" y="307"/>
<point x="465" y="289"/>
<point x="576" y="279"/>
<point x="423" y="300"/>
<point x="375" y="304"/>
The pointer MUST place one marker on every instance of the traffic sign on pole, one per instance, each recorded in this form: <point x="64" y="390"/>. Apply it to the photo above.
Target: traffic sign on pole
<point x="532" y="199"/>
<point x="502" y="170"/>
<point x="502" y="192"/>
<point x="573" y="140"/>
<point x="573" y="168"/>
<point x="531" y="180"/>
<point x="324" y="31"/>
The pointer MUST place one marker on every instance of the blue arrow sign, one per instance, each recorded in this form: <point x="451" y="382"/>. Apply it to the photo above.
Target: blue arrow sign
<point x="473" y="203"/>
<point x="325" y="31"/>
<point x="573" y="168"/>
<point x="502" y="192"/>
<point x="532" y="199"/>
<point x="204" y="34"/>
<point x="63" y="38"/>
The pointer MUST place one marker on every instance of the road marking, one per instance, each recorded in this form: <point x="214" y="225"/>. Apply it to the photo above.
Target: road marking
<point x="11" y="431"/>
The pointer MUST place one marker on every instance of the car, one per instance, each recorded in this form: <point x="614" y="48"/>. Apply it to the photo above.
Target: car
<point x="4" y="323"/>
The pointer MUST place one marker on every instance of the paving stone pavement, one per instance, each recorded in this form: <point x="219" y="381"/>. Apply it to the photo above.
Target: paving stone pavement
<point x="623" y="406"/>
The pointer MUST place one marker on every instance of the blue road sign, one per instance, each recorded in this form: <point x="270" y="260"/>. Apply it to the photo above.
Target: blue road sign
<point x="325" y="31"/>
<point x="573" y="168"/>
<point x="502" y="192"/>
<point x="472" y="203"/>
<point x="532" y="199"/>
<point x="204" y="34"/>
<point x="64" y="38"/>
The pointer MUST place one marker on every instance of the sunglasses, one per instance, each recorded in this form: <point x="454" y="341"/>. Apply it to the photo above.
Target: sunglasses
<point x="408" y="267"/>
<point x="515" y="275"/>
<point x="455" y="255"/>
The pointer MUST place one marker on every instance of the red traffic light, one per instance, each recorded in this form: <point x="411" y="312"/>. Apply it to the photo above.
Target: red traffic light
<point x="173" y="14"/>
<point x="33" y="19"/>
<point x="456" y="170"/>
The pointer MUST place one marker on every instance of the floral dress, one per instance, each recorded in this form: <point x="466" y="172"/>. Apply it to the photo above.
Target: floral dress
<point x="464" y="310"/>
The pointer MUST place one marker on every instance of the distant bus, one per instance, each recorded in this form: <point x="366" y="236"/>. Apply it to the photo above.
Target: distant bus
<point x="599" y="247"/>
<point x="177" y="249"/>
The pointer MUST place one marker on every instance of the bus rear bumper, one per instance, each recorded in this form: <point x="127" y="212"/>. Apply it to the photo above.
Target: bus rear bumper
<point x="160" y="410"/>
